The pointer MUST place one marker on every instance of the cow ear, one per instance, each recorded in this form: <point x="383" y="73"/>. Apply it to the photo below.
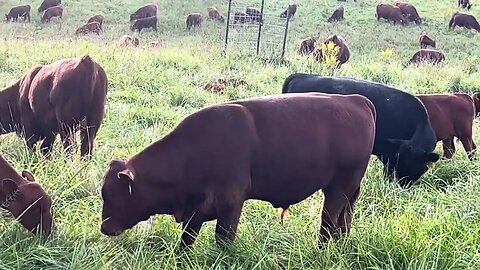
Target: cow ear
<point x="7" y="186"/>
<point x="433" y="157"/>
<point x="28" y="176"/>
<point x="127" y="176"/>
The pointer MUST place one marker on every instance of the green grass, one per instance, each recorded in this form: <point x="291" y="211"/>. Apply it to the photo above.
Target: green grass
<point x="433" y="225"/>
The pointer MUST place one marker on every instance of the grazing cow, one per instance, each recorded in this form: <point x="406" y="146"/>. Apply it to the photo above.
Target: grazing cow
<point x="56" y="11"/>
<point x="148" y="10"/>
<point x="46" y="4"/>
<point x="337" y="14"/>
<point x="56" y="98"/>
<point x="465" y="4"/>
<point x="463" y="20"/>
<point x="344" y="53"/>
<point x="128" y="41"/>
<point x="404" y="140"/>
<point x="476" y="101"/>
<point x="409" y="12"/>
<point x="25" y="198"/>
<point x="214" y="15"/>
<point x="97" y="18"/>
<point x="17" y="12"/>
<point x="426" y="41"/>
<point x="390" y="13"/>
<point x="194" y="20"/>
<point x="254" y="14"/>
<point x="241" y="17"/>
<point x="451" y="116"/>
<point x="428" y="55"/>
<point x="93" y="27"/>
<point x="279" y="149"/>
<point x="307" y="46"/>
<point x="150" y="22"/>
<point x="291" y="10"/>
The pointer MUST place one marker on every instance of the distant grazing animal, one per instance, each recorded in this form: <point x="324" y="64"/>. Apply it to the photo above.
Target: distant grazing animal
<point x="146" y="11"/>
<point x="307" y="46"/>
<point x="92" y="27"/>
<point x="344" y="53"/>
<point x="426" y="41"/>
<point x="150" y="22"/>
<point x="463" y="20"/>
<point x="279" y="149"/>
<point x="465" y="4"/>
<point x="214" y="15"/>
<point x="46" y="4"/>
<point x="409" y="12"/>
<point x="56" y="98"/>
<point x="451" y="115"/>
<point x="291" y="9"/>
<point x="476" y="101"/>
<point x="404" y="140"/>
<point x="428" y="55"/>
<point x="25" y="198"/>
<point x="241" y="17"/>
<point x="97" y="18"/>
<point x="337" y="14"/>
<point x="254" y="14"/>
<point x="128" y="41"/>
<point x="194" y="20"/>
<point x="17" y="12"/>
<point x="56" y="11"/>
<point x="390" y="13"/>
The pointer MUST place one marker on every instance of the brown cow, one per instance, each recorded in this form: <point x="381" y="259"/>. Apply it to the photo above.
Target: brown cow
<point x="337" y="14"/>
<point x="344" y="53"/>
<point x="390" y="13"/>
<point x="194" y="20"/>
<point x="261" y="148"/>
<point x="46" y="4"/>
<point x="463" y="20"/>
<point x="25" y="199"/>
<point x="291" y="10"/>
<point x="428" y="55"/>
<point x="92" y="27"/>
<point x="96" y="18"/>
<point x="254" y="14"/>
<point x="307" y="46"/>
<point x="409" y="12"/>
<point x="476" y="101"/>
<point x="56" y="98"/>
<point x="128" y="41"/>
<point x="241" y="17"/>
<point x="465" y="4"/>
<point x="214" y="15"/>
<point x="56" y="11"/>
<point x="18" y="11"/>
<point x="426" y="41"/>
<point x="451" y="115"/>
<point x="146" y="11"/>
<point x="150" y="22"/>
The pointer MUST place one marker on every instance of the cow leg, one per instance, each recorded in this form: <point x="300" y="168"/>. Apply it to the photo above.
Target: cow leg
<point x="88" y="135"/>
<point x="67" y="134"/>
<point x="346" y="216"/>
<point x="47" y="144"/>
<point x="190" y="229"/>
<point x="469" y="146"/>
<point x="448" y="147"/>
<point x="228" y="214"/>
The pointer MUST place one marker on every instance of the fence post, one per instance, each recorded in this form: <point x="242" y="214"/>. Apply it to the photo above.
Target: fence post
<point x="228" y="23"/>
<point x="286" y="32"/>
<point x="260" y="27"/>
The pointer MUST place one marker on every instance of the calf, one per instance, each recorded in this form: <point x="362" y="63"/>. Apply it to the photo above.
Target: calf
<point x="96" y="18"/>
<point x="343" y="54"/>
<point x="404" y="141"/>
<point x="150" y="22"/>
<point x="25" y="199"/>
<point x="409" y="12"/>
<point x="194" y="20"/>
<point x="56" y="98"/>
<point x="56" y="11"/>
<point x="278" y="149"/>
<point x="254" y="14"/>
<point x="128" y="41"/>
<point x="214" y="15"/>
<point x="426" y="41"/>
<point x="18" y="11"/>
<point x="337" y="14"/>
<point x="307" y="46"/>
<point x="463" y="20"/>
<point x="241" y="17"/>
<point x="93" y="27"/>
<point x="465" y="4"/>
<point x="428" y="55"/>
<point x="291" y="10"/>
<point x="46" y="4"/>
<point x="390" y="13"/>
<point x="451" y="116"/>
<point x="146" y="11"/>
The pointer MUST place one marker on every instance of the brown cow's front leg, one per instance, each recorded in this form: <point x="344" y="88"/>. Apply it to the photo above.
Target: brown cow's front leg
<point x="190" y="231"/>
<point x="227" y="221"/>
<point x="448" y="148"/>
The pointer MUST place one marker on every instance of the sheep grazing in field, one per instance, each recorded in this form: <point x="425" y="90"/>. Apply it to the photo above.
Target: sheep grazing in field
<point x="428" y="56"/>
<point x="409" y="12"/>
<point x="46" y="4"/>
<point x="337" y="14"/>
<point x="150" y="22"/>
<point x="17" y="12"/>
<point x="390" y="13"/>
<point x="241" y="17"/>
<point x="214" y="15"/>
<point x="56" y="11"/>
<point x="291" y="10"/>
<point x="426" y="41"/>
<point x="307" y="46"/>
<point x="128" y="41"/>
<point x="96" y="18"/>
<point x="92" y="27"/>
<point x="465" y="4"/>
<point x="146" y="11"/>
<point x="463" y="20"/>
<point x="194" y="20"/>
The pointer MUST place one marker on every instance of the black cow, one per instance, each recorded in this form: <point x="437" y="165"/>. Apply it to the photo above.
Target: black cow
<point x="404" y="140"/>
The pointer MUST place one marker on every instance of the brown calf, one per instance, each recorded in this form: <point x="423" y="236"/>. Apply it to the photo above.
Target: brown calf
<point x="25" y="199"/>
<point x="96" y="18"/>
<point x="291" y="10"/>
<point x="214" y="15"/>
<point x="241" y="17"/>
<point x="463" y="20"/>
<point x="46" y="4"/>
<point x="150" y="22"/>
<point x="451" y="115"/>
<point x="426" y="41"/>
<point x="18" y="11"/>
<point x="128" y="41"/>
<point x="261" y="148"/>
<point x="409" y="12"/>
<point x="465" y="4"/>
<point x="337" y="14"/>
<point x="194" y="20"/>
<point x="254" y="14"/>
<point x="92" y="27"/>
<point x="307" y="46"/>
<point x="428" y="55"/>
<point x="56" y="11"/>
<point x="344" y="53"/>
<point x="146" y="11"/>
<point x="390" y="13"/>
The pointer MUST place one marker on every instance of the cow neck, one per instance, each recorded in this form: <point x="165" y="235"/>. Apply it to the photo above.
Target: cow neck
<point x="7" y="172"/>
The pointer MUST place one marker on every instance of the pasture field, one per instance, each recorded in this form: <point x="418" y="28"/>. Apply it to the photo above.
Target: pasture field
<point x="433" y="225"/>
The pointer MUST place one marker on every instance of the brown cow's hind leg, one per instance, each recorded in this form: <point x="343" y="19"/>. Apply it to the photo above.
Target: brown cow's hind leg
<point x="346" y="216"/>
<point x="67" y="134"/>
<point x="469" y="146"/>
<point x="448" y="148"/>
<point x="227" y="222"/>
<point x="47" y="145"/>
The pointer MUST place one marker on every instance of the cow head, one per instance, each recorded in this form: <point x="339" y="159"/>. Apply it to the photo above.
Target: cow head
<point x="7" y="17"/>
<point x="29" y="203"/>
